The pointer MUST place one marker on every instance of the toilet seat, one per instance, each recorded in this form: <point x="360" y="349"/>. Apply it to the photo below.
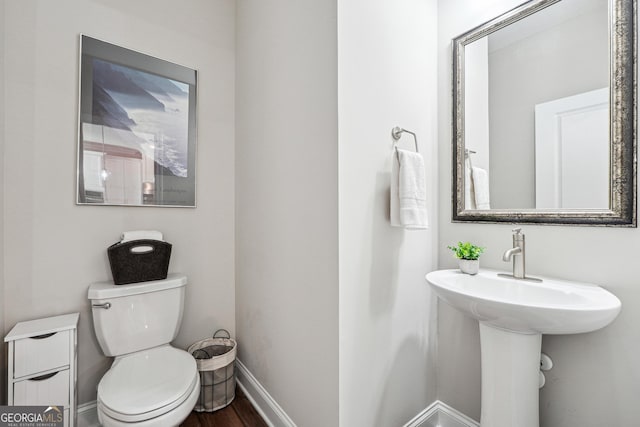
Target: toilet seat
<point x="147" y="384"/>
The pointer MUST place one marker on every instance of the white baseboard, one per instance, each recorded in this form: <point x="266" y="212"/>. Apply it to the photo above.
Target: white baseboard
<point x="266" y="405"/>
<point x="439" y="414"/>
<point x="88" y="415"/>
<point x="428" y="417"/>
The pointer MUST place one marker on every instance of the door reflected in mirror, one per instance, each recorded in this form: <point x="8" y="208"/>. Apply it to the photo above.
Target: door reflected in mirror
<point x="572" y="152"/>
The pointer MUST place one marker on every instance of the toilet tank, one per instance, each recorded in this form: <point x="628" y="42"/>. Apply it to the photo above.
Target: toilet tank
<point x="134" y="317"/>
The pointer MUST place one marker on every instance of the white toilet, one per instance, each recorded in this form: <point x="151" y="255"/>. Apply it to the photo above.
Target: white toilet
<point x="150" y="383"/>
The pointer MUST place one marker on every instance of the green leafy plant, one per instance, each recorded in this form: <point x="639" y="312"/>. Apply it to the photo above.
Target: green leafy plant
<point x="466" y="250"/>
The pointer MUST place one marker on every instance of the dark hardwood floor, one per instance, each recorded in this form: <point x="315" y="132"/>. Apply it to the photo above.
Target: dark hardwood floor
<point x="239" y="414"/>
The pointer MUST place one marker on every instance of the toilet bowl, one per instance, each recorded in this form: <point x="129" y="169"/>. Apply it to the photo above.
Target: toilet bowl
<point x="150" y="383"/>
<point x="156" y="387"/>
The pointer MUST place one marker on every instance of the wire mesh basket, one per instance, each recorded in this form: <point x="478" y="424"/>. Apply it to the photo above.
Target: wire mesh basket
<point x="215" y="358"/>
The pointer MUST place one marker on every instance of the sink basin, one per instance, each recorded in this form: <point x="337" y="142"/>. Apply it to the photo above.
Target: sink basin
<point x="548" y="307"/>
<point x="513" y="314"/>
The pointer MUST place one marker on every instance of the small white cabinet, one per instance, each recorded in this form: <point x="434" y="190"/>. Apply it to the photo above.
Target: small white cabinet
<point x="42" y="363"/>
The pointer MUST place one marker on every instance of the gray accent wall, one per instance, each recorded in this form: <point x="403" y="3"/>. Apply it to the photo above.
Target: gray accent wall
<point x="54" y="249"/>
<point x="595" y="380"/>
<point x="334" y="317"/>
<point x="287" y="203"/>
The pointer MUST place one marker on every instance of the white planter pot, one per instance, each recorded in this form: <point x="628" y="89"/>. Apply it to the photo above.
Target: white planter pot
<point x="469" y="266"/>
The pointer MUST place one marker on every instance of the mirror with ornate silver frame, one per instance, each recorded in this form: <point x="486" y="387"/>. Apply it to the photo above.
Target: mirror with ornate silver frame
<point x="509" y="164"/>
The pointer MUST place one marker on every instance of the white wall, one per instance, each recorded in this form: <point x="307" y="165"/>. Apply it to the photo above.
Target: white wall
<point x="287" y="203"/>
<point x="387" y="77"/>
<point x="596" y="378"/>
<point x="55" y="249"/>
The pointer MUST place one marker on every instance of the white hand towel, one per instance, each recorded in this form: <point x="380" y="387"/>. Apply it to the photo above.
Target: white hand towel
<point x="128" y="236"/>
<point x="481" y="188"/>
<point x="395" y="200"/>
<point x="408" y="191"/>
<point x="469" y="197"/>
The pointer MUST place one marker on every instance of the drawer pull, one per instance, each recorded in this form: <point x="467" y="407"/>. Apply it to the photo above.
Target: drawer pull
<point x="106" y="305"/>
<point x="44" y="377"/>
<point x="43" y="336"/>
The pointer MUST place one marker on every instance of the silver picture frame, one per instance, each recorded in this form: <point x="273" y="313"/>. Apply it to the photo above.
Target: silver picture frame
<point x="136" y="129"/>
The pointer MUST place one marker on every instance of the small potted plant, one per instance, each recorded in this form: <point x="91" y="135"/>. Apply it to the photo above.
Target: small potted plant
<point x="467" y="254"/>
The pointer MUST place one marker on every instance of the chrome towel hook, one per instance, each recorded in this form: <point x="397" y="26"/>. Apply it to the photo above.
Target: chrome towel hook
<point x="397" y="132"/>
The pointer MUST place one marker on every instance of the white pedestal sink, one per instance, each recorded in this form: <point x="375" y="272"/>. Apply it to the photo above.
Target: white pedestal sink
<point x="513" y="315"/>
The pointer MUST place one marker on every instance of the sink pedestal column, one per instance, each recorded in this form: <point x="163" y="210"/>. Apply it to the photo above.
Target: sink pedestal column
<point x="510" y="375"/>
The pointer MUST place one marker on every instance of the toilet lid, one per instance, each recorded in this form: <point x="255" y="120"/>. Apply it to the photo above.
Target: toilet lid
<point x="148" y="383"/>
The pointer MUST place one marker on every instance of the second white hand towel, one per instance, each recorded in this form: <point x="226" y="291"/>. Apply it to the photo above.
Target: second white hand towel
<point x="412" y="190"/>
<point x="481" y="188"/>
<point x="469" y="195"/>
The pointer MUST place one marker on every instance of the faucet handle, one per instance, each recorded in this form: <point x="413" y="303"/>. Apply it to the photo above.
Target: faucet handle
<point x="518" y="235"/>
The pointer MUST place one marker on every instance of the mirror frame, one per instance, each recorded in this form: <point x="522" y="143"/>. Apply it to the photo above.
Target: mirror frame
<point x="622" y="129"/>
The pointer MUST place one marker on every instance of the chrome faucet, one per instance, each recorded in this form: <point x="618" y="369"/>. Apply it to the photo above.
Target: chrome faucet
<point x="516" y="254"/>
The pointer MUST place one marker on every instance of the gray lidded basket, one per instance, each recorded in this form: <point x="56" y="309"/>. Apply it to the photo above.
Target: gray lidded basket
<point x="215" y="358"/>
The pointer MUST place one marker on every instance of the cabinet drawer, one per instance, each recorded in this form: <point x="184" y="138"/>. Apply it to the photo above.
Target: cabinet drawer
<point x="50" y="390"/>
<point x="33" y="355"/>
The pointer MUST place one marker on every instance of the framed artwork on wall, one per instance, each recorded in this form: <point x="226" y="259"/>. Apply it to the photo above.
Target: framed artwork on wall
<point x="136" y="129"/>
